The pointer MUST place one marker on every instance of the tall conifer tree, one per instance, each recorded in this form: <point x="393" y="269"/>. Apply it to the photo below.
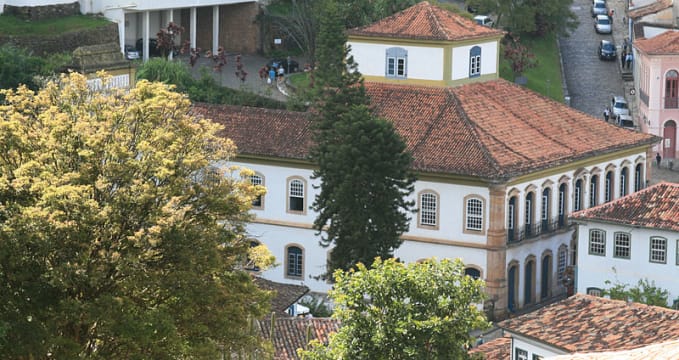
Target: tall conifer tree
<point x="362" y="162"/>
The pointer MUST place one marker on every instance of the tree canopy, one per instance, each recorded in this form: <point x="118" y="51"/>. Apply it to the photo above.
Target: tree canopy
<point x="362" y="161"/>
<point x="395" y="311"/>
<point x="119" y="239"/>
<point x="536" y="17"/>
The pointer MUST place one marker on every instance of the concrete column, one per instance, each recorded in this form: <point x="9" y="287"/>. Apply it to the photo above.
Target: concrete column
<point x="146" y="20"/>
<point x="192" y="30"/>
<point x="170" y="18"/>
<point x="496" y="256"/>
<point x="215" y="28"/>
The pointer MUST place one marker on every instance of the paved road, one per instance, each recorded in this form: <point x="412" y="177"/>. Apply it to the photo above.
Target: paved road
<point x="591" y="82"/>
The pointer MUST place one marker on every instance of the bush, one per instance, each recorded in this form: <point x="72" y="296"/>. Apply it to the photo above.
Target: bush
<point x="169" y="72"/>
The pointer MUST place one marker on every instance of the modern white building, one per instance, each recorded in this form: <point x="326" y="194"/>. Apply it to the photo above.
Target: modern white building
<point x="499" y="167"/>
<point x="632" y="238"/>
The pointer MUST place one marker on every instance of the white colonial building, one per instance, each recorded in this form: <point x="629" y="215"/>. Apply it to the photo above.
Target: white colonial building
<point x="499" y="167"/>
<point x="632" y="238"/>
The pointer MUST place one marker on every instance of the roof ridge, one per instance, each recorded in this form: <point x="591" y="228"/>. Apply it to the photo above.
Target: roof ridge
<point x="435" y="18"/>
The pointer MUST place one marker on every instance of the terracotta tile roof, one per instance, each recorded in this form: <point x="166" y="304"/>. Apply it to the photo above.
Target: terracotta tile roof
<point x="651" y="8"/>
<point x="584" y="323"/>
<point x="654" y="207"/>
<point x="285" y="296"/>
<point x="484" y="129"/>
<point x="259" y="131"/>
<point x="496" y="349"/>
<point x="666" y="43"/>
<point x="425" y="21"/>
<point x="667" y="350"/>
<point x="290" y="334"/>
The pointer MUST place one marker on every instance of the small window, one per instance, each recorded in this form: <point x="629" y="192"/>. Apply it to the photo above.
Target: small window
<point x="593" y="186"/>
<point x="577" y="205"/>
<point x="621" y="248"/>
<point x="537" y="357"/>
<point x="257" y="180"/>
<point x="597" y="242"/>
<point x="594" y="291"/>
<point x="475" y="61"/>
<point x="562" y="258"/>
<point x="428" y="209"/>
<point x="474" y="219"/>
<point x="296" y="195"/>
<point x="474" y="273"/>
<point x="609" y="187"/>
<point x="520" y="354"/>
<point x="658" y="250"/>
<point x="397" y="64"/>
<point x="295" y="258"/>
<point x="623" y="182"/>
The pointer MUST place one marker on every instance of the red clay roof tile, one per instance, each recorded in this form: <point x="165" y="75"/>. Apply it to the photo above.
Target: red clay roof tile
<point x="585" y="323"/>
<point x="290" y="334"/>
<point x="666" y="43"/>
<point x="425" y="21"/>
<point x="496" y="349"/>
<point x="654" y="207"/>
<point x="651" y="8"/>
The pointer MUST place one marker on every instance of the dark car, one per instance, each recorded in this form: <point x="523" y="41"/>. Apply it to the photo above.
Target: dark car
<point x="607" y="50"/>
<point x="290" y="66"/>
<point x="153" y="47"/>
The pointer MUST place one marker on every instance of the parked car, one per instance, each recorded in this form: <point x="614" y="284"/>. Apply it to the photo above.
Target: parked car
<point x="131" y="52"/>
<point x="599" y="8"/>
<point x="602" y="24"/>
<point x="619" y="106"/>
<point x="290" y="67"/>
<point x="153" y="47"/>
<point x="484" y="20"/>
<point x="626" y="121"/>
<point x="607" y="50"/>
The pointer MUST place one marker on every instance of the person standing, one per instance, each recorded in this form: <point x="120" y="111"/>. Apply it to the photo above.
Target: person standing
<point x="623" y="55"/>
<point x="607" y="113"/>
<point x="628" y="60"/>
<point x="658" y="158"/>
<point x="272" y="75"/>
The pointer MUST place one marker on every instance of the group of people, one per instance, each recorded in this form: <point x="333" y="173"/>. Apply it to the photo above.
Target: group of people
<point x="626" y="56"/>
<point x="273" y="73"/>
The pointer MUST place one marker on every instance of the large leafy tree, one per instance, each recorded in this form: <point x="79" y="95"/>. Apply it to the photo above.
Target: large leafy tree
<point x="362" y="162"/>
<point x="536" y="17"/>
<point x="119" y="239"/>
<point x="395" y="311"/>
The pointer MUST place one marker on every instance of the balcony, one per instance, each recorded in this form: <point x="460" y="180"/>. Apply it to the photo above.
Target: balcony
<point x="515" y="236"/>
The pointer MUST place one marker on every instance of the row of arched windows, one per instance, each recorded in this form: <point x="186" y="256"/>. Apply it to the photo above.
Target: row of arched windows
<point x="523" y="279"/>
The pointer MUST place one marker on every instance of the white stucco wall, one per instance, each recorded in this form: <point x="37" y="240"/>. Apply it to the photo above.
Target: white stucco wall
<point x="533" y="347"/>
<point x="424" y="63"/>
<point x="489" y="53"/>
<point x="595" y="270"/>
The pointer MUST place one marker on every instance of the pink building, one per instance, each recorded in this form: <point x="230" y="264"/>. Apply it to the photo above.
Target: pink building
<point x="657" y="70"/>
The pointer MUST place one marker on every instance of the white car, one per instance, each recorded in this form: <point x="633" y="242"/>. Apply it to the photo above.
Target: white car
<point x="619" y="106"/>
<point x="602" y="24"/>
<point x="484" y="20"/>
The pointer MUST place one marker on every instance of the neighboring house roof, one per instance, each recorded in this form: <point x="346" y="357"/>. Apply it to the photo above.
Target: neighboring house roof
<point x="286" y="294"/>
<point x="654" y="207"/>
<point x="584" y="323"/>
<point x="496" y="349"/>
<point x="649" y="9"/>
<point x="666" y="43"/>
<point x="483" y="129"/>
<point x="666" y="350"/>
<point x="425" y="21"/>
<point x="290" y="334"/>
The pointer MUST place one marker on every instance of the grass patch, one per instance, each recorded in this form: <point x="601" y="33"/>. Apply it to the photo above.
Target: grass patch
<point x="545" y="78"/>
<point x="10" y="25"/>
<point x="299" y="80"/>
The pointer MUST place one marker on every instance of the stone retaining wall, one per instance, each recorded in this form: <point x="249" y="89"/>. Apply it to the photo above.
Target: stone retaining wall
<point x="34" y="13"/>
<point x="66" y="42"/>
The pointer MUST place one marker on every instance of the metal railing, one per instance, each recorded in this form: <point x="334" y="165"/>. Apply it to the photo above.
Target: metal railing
<point x="534" y="230"/>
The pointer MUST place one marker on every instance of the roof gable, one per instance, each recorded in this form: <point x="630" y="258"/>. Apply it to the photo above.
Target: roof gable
<point x="425" y="21"/>
<point x="666" y="43"/>
<point x="654" y="207"/>
<point x="585" y="323"/>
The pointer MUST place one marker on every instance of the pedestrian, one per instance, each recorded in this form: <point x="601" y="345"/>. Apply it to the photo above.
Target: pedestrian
<point x="658" y="158"/>
<point x="272" y="75"/>
<point x="624" y="46"/>
<point x="622" y="59"/>
<point x="607" y="113"/>
<point x="628" y="60"/>
<point x="281" y="73"/>
<point x="610" y="14"/>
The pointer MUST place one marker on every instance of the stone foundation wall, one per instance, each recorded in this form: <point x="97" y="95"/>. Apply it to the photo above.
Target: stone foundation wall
<point x="67" y="42"/>
<point x="240" y="31"/>
<point x="33" y="13"/>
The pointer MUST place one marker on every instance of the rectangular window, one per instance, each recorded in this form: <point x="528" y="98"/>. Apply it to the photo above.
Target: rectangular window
<point x="592" y="191"/>
<point x="561" y="263"/>
<point x="475" y="65"/>
<point x="623" y="185"/>
<point x="594" y="291"/>
<point x="562" y="203"/>
<point x="428" y="209"/>
<point x="529" y="212"/>
<point x="474" y="214"/>
<point x="391" y="66"/>
<point x="520" y="354"/>
<point x="608" y="188"/>
<point x="256" y="180"/>
<point x="578" y="195"/>
<point x="545" y="206"/>
<point x="597" y="242"/>
<point x="621" y="248"/>
<point x="296" y="197"/>
<point x="510" y="217"/>
<point x="295" y="259"/>
<point x="658" y="250"/>
<point x="401" y="67"/>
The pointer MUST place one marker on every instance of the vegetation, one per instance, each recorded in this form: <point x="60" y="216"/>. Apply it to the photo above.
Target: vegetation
<point x="532" y="17"/>
<point x="645" y="292"/>
<point x="119" y="238"/>
<point x="18" y="66"/>
<point x="395" y="312"/>
<point x="11" y="25"/>
<point x="362" y="161"/>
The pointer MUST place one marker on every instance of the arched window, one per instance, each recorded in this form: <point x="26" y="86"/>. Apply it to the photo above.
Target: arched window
<point x="511" y="219"/>
<point x="529" y="282"/>
<point x="473" y="214"/>
<point x="563" y="197"/>
<point x="396" y="63"/>
<point x="258" y="202"/>
<point x="546" y="277"/>
<point x="475" y="61"/>
<point x="428" y="209"/>
<point x="529" y="214"/>
<point x="597" y="242"/>
<point x="672" y="90"/>
<point x="546" y="201"/>
<point x="624" y="179"/>
<point x="295" y="262"/>
<point x="608" y="192"/>
<point x="296" y="195"/>
<point x="593" y="191"/>
<point x="638" y="178"/>
<point x="474" y="273"/>
<point x="577" y="201"/>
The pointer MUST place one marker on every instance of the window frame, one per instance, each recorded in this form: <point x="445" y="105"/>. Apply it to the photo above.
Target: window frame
<point x="475" y="61"/>
<point x="594" y="291"/>
<point x="594" y="190"/>
<point x="289" y="195"/>
<point x="396" y="63"/>
<point x="616" y="246"/>
<point x="520" y="354"/>
<point x="651" y="250"/>
<point x="590" y="243"/>
<point x="466" y="216"/>
<point x="434" y="211"/>
<point x="624" y="181"/>
<point x="561" y="261"/>
<point x="299" y="257"/>
<point x="259" y="198"/>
